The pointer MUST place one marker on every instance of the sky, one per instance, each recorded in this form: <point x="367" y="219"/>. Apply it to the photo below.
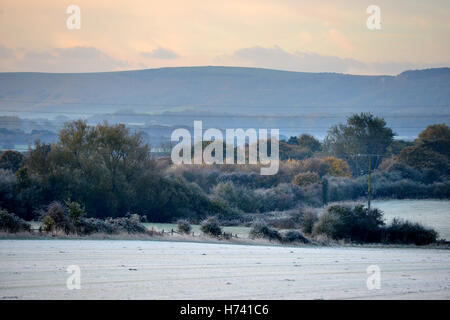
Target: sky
<point x="295" y="35"/>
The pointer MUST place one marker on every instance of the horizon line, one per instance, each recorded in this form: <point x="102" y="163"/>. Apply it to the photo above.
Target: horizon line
<point x="218" y="66"/>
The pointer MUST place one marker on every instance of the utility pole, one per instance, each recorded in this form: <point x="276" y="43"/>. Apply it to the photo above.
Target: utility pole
<point x="368" y="175"/>
<point x="368" y="183"/>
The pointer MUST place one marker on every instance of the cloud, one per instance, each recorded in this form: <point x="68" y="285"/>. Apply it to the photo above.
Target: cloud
<point x="277" y="58"/>
<point x="74" y="59"/>
<point x="161" y="53"/>
<point x="6" y="53"/>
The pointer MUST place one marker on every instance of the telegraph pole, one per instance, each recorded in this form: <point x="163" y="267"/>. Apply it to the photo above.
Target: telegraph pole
<point x="368" y="174"/>
<point x="368" y="184"/>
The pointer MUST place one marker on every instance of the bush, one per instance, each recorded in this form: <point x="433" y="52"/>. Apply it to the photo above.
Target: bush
<point x="308" y="220"/>
<point x="351" y="223"/>
<point x="57" y="212"/>
<point x="406" y="172"/>
<point x="236" y="196"/>
<point x="282" y="197"/>
<point x="405" y="232"/>
<point x="129" y="224"/>
<point x="283" y="222"/>
<point x="184" y="226"/>
<point x="293" y="236"/>
<point x="9" y="222"/>
<point x="11" y="160"/>
<point x="92" y="225"/>
<point x="260" y="229"/>
<point x="211" y="227"/>
<point x="420" y="157"/>
<point x="305" y="179"/>
<point x="338" y="167"/>
<point x="8" y="187"/>
<point x="70" y="219"/>
<point x="48" y="224"/>
<point x="75" y="211"/>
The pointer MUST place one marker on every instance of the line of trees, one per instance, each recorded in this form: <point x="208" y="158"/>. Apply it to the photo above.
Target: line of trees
<point x="106" y="168"/>
<point x="109" y="171"/>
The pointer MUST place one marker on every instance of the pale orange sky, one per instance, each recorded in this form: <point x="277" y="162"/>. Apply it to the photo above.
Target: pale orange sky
<point x="315" y="36"/>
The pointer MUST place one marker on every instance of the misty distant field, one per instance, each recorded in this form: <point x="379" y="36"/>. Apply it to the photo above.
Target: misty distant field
<point x="36" y="269"/>
<point x="431" y="213"/>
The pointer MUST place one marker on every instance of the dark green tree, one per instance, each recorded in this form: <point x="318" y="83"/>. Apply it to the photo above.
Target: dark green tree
<point x="362" y="135"/>
<point x="11" y="160"/>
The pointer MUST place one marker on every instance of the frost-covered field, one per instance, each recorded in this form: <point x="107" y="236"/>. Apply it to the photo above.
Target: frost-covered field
<point x="36" y="269"/>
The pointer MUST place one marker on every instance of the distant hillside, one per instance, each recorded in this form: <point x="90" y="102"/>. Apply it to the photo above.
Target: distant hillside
<point x="229" y="90"/>
<point x="219" y="86"/>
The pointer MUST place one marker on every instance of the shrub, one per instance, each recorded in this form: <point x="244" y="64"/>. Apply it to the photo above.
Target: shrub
<point x="11" y="223"/>
<point x="289" y="151"/>
<point x="48" y="224"/>
<point x="338" y="167"/>
<point x="58" y="213"/>
<point x="184" y="226"/>
<point x="352" y="223"/>
<point x="11" y="160"/>
<point x="260" y="229"/>
<point x="282" y="197"/>
<point x="129" y="224"/>
<point x="406" y="171"/>
<point x="211" y="227"/>
<point x="305" y="179"/>
<point x="236" y="196"/>
<point x="405" y="232"/>
<point x="308" y="141"/>
<point x="247" y="179"/>
<point x="315" y="165"/>
<point x="204" y="177"/>
<point x="70" y="219"/>
<point x="75" y="211"/>
<point x="345" y="188"/>
<point x="8" y="187"/>
<point x="430" y="176"/>
<point x="293" y="236"/>
<point x="284" y="222"/>
<point x="421" y="157"/>
<point x="92" y="225"/>
<point x="308" y="220"/>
